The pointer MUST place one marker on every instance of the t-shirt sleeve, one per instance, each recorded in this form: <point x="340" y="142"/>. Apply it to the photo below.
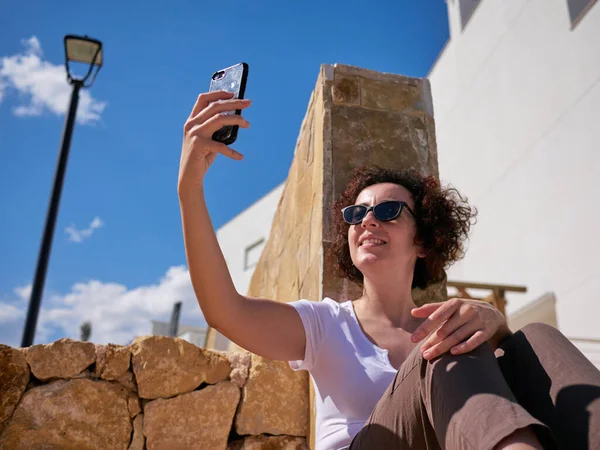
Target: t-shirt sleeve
<point x="316" y="318"/>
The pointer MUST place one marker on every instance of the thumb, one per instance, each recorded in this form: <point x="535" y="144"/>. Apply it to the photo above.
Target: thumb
<point x="425" y="310"/>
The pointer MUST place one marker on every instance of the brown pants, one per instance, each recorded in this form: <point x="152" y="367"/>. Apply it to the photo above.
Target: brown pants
<point x="537" y="378"/>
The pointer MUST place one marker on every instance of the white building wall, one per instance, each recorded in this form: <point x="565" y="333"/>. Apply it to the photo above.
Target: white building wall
<point x="241" y="241"/>
<point x="197" y="338"/>
<point x="237" y="237"/>
<point x="516" y="98"/>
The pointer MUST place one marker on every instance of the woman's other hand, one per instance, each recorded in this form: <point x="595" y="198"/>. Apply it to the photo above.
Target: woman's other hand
<point x="198" y="150"/>
<point x="458" y="326"/>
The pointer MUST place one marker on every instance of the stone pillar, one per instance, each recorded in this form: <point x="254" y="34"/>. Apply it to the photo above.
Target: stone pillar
<point x="372" y="118"/>
<point x="354" y="117"/>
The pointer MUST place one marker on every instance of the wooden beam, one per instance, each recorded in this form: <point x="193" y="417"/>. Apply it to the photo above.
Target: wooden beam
<point x="503" y="287"/>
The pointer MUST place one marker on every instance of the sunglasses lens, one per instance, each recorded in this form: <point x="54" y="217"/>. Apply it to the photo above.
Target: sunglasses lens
<point x="387" y="210"/>
<point x="354" y="214"/>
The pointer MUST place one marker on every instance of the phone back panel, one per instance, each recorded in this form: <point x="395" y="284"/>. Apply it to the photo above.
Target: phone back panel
<point x="232" y="79"/>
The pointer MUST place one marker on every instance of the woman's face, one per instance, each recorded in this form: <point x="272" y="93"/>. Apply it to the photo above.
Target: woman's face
<point x="392" y="243"/>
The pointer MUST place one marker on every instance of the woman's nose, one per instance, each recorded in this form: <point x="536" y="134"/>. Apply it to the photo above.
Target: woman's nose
<point x="370" y="220"/>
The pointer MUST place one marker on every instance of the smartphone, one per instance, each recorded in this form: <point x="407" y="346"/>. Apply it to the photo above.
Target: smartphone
<point x="232" y="79"/>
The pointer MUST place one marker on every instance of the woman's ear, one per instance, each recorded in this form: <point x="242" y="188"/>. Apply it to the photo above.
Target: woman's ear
<point x="421" y="253"/>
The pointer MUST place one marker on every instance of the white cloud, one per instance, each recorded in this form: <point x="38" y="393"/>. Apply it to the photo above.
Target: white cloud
<point x="76" y="235"/>
<point x="117" y="314"/>
<point x="42" y="86"/>
<point x="3" y="87"/>
<point x="10" y="313"/>
<point x="23" y="292"/>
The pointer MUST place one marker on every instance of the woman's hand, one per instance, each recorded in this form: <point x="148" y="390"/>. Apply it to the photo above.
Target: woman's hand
<point x="199" y="151"/>
<point x="460" y="326"/>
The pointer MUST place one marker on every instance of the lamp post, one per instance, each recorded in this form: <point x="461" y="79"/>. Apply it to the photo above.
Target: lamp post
<point x="174" y="323"/>
<point x="84" y="50"/>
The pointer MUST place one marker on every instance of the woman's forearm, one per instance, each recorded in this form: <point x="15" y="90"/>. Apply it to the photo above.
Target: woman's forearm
<point x="209" y="274"/>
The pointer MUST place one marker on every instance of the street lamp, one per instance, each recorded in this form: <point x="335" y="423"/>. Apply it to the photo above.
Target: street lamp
<point x="84" y="50"/>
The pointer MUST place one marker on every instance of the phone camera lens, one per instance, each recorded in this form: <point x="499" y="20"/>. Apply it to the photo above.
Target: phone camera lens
<point x="218" y="75"/>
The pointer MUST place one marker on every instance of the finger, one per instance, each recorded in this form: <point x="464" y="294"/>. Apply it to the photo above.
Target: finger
<point x="217" y="147"/>
<point x="206" y="98"/>
<point x="478" y="338"/>
<point x="460" y="335"/>
<point x="215" y="123"/>
<point x="456" y="321"/>
<point x="435" y="319"/>
<point x="425" y="310"/>
<point x="219" y="107"/>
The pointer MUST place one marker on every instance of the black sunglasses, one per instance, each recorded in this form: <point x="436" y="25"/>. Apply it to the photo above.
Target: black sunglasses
<point x="384" y="211"/>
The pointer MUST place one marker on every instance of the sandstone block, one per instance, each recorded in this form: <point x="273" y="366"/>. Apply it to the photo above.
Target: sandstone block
<point x="392" y="95"/>
<point x="112" y="361"/>
<point x="346" y="90"/>
<point x="240" y="367"/>
<point x="14" y="377"/>
<point x="127" y="380"/>
<point x="76" y="414"/>
<point x="363" y="136"/>
<point x="138" y="440"/>
<point x="269" y="443"/>
<point x="198" y="420"/>
<point x="274" y="400"/>
<point x="64" y="358"/>
<point x="133" y="406"/>
<point x="165" y="367"/>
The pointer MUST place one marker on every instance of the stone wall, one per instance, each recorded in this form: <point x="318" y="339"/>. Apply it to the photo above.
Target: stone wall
<point x="157" y="393"/>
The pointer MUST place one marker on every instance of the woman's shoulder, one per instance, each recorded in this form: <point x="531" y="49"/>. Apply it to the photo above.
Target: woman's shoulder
<point x="326" y="306"/>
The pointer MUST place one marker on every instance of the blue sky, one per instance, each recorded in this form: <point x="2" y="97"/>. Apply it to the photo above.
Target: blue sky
<point x="118" y="257"/>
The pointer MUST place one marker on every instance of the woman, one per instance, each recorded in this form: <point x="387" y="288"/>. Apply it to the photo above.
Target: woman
<point x="388" y="374"/>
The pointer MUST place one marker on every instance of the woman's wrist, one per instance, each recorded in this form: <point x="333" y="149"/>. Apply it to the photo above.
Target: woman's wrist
<point x="186" y="193"/>
<point x="501" y="335"/>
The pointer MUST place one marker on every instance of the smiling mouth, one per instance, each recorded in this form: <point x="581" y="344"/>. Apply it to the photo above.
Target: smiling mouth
<point x="372" y="243"/>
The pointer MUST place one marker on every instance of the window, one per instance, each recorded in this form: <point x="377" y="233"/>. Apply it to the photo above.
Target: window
<point x="253" y="253"/>
<point x="578" y="9"/>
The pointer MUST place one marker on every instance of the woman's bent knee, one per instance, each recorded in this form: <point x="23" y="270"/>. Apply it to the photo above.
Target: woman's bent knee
<point x="540" y="327"/>
<point x="537" y="330"/>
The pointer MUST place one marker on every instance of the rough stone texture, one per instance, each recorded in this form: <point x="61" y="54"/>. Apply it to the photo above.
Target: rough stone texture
<point x="85" y="374"/>
<point x="165" y="366"/>
<point x="14" y="377"/>
<point x="240" y="367"/>
<point x="112" y="361"/>
<point x="64" y="358"/>
<point x="274" y="400"/>
<point x="133" y="406"/>
<point x="77" y="414"/>
<point x="138" y="441"/>
<point x="127" y="380"/>
<point x="269" y="443"/>
<point x="198" y="420"/>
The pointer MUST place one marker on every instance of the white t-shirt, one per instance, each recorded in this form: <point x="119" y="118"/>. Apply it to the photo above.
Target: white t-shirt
<point x="349" y="372"/>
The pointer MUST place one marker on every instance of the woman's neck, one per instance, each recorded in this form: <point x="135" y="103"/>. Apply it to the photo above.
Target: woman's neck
<point x="391" y="301"/>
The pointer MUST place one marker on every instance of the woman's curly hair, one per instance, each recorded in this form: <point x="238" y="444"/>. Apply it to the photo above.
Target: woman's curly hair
<point x="443" y="219"/>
